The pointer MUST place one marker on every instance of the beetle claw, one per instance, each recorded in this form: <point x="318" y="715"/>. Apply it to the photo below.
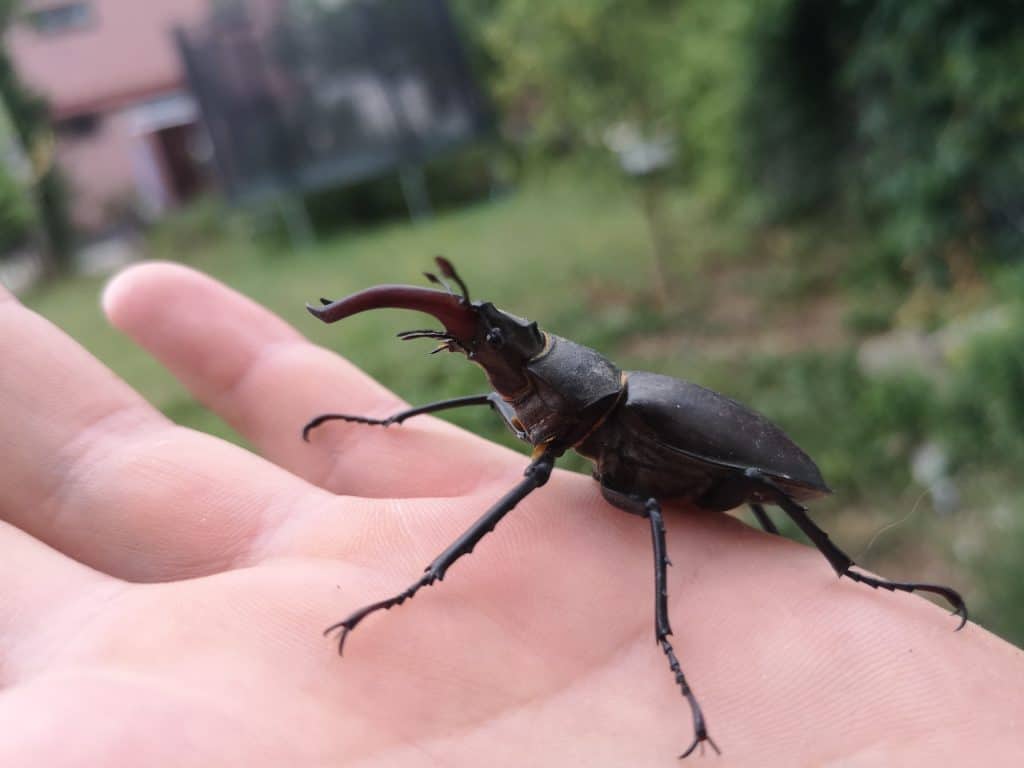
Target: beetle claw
<point x="698" y="741"/>
<point x="961" y="611"/>
<point x="345" y="629"/>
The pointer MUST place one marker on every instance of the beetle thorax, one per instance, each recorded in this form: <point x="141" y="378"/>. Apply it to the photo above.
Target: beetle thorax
<point x="571" y="387"/>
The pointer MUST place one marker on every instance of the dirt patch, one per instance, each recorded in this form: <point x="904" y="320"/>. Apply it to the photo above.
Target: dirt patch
<point x="737" y="319"/>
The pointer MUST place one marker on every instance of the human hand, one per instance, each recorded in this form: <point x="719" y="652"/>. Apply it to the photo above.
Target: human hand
<point x="162" y="593"/>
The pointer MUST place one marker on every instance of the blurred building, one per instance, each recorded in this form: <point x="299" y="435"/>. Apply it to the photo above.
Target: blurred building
<point x="125" y="124"/>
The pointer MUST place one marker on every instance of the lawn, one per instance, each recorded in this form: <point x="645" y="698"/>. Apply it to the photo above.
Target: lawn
<point x="763" y="320"/>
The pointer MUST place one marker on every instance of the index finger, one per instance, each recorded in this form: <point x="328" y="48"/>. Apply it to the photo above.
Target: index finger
<point x="266" y="381"/>
<point x="90" y="468"/>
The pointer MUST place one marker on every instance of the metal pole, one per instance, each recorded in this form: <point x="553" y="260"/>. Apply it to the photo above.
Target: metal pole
<point x="415" y="192"/>
<point x="296" y="220"/>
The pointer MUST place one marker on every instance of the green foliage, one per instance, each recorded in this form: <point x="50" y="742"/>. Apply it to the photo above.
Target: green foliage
<point x="938" y="116"/>
<point x="15" y="212"/>
<point x="580" y="69"/>
<point x="1001" y="574"/>
<point x="793" y="129"/>
<point x="986" y="397"/>
<point x="187" y="233"/>
<point x="30" y="119"/>
<point x="905" y="112"/>
<point x="465" y="176"/>
<point x="53" y="201"/>
<point x="565" y="73"/>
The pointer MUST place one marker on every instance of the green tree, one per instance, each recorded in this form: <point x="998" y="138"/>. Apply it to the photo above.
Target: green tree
<point x="572" y="75"/>
<point x="906" y="113"/>
<point x="29" y="117"/>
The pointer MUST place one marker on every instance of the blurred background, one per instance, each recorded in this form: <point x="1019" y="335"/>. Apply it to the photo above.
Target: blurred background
<point x="814" y="206"/>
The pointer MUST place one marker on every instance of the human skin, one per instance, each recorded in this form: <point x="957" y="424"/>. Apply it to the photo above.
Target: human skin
<point x="162" y="592"/>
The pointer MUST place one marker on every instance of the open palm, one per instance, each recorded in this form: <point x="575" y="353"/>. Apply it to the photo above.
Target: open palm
<point x="162" y="593"/>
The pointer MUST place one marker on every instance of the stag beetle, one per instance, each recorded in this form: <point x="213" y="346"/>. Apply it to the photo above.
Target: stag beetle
<point x="651" y="439"/>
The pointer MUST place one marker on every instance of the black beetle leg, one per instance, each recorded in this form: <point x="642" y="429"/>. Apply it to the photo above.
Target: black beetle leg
<point x="651" y="509"/>
<point x="536" y="474"/>
<point x="843" y="563"/>
<point x="663" y="630"/>
<point x="398" y="418"/>
<point x="763" y="519"/>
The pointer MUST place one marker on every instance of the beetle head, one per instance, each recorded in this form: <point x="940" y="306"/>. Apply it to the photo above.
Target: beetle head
<point x="500" y="343"/>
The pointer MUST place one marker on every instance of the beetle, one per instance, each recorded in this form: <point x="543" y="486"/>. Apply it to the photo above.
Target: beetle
<point x="651" y="438"/>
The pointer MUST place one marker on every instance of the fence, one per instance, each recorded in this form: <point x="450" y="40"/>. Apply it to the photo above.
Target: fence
<point x="298" y="95"/>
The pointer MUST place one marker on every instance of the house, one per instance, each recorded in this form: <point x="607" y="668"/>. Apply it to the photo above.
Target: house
<point x="126" y="128"/>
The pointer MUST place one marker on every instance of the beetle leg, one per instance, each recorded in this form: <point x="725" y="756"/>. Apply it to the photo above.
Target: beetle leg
<point x="763" y="519"/>
<point x="651" y="509"/>
<point x="399" y="417"/>
<point x="536" y="474"/>
<point x="662" y="629"/>
<point x="843" y="563"/>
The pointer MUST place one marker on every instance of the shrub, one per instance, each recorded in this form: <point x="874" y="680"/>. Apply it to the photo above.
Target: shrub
<point x="905" y="112"/>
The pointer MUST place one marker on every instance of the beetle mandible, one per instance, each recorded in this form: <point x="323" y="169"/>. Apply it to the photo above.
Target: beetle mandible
<point x="651" y="439"/>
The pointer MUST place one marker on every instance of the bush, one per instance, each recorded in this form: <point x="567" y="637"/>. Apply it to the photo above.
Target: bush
<point x="912" y="105"/>
<point x="564" y="73"/>
<point x="903" y="114"/>
<point x="29" y="118"/>
<point x="1001" y="575"/>
<point x="985" y="407"/>
<point x="458" y="177"/>
<point x="15" y="213"/>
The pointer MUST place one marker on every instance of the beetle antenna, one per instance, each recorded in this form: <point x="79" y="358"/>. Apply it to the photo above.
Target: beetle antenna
<point x="449" y="271"/>
<point x="438" y="281"/>
<point x="424" y="334"/>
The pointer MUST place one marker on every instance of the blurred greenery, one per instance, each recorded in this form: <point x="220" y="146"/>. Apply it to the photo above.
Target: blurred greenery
<point x="663" y="67"/>
<point x="903" y="115"/>
<point x="15" y="212"/>
<point x="29" y="117"/>
<point x="999" y="572"/>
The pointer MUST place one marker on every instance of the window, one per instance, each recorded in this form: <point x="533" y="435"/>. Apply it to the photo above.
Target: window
<point x="56" y="19"/>
<point x="79" y="127"/>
